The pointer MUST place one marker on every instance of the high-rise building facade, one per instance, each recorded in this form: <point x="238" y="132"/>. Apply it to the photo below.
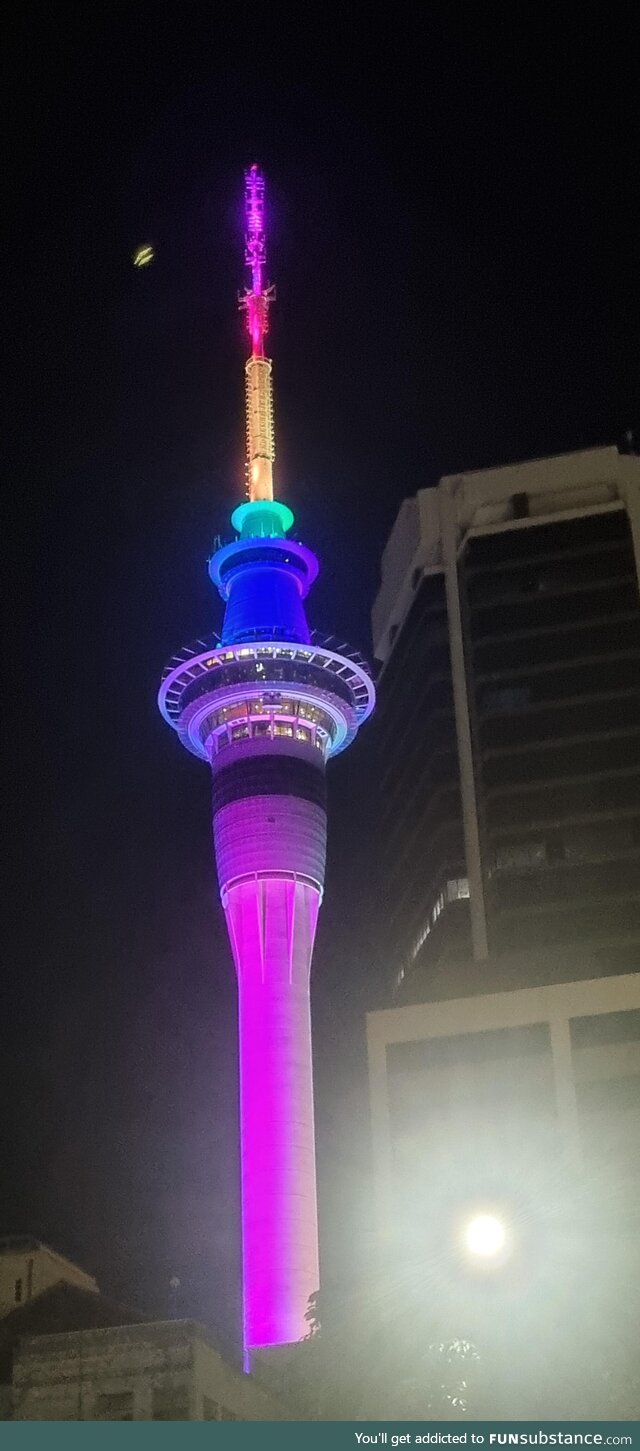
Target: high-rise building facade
<point x="267" y="704"/>
<point x="505" y="1080"/>
<point x="508" y="629"/>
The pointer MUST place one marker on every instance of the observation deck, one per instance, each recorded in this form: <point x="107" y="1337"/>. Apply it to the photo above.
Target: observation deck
<point x="318" y="693"/>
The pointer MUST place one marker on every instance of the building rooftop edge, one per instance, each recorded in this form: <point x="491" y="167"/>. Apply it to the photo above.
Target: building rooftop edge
<point x="609" y="987"/>
<point x="605" y="453"/>
<point x="579" y="482"/>
<point x="137" y="1327"/>
<point x="15" y="1243"/>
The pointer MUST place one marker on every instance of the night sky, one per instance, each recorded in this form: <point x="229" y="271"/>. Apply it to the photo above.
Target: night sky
<point x="454" y="241"/>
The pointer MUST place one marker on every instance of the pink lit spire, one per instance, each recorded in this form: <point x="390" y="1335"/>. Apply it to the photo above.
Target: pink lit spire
<point x="254" y="301"/>
<point x="257" y="297"/>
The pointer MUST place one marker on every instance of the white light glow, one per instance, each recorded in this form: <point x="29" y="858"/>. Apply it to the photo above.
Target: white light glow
<point x="485" y="1236"/>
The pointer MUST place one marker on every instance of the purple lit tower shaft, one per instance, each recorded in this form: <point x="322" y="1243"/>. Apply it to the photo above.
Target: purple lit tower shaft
<point x="267" y="704"/>
<point x="270" y="842"/>
<point x="269" y="820"/>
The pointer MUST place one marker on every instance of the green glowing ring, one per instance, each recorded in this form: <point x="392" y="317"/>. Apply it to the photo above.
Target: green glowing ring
<point x="262" y="518"/>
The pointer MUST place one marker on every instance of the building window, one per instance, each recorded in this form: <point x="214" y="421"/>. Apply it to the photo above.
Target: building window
<point x="505" y="701"/>
<point x="114" y="1406"/>
<point x="234" y="712"/>
<point x="454" y="891"/>
<point x="171" y="1403"/>
<point x="17" y="1292"/>
<point x="520" y="857"/>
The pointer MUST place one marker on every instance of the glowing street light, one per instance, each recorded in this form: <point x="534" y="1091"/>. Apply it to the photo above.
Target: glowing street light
<point x="485" y="1236"/>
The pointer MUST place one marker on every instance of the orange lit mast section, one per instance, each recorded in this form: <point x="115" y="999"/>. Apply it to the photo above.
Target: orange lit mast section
<point x="255" y="303"/>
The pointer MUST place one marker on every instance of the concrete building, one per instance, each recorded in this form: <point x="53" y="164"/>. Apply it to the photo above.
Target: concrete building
<point x="508" y="628"/>
<point x="166" y="1371"/>
<point x="62" y="1308"/>
<point x="70" y="1354"/>
<point x="67" y="1353"/>
<point x="28" y="1268"/>
<point x="490" y="1096"/>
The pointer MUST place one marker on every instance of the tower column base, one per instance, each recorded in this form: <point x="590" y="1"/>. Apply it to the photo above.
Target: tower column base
<point x="272" y="924"/>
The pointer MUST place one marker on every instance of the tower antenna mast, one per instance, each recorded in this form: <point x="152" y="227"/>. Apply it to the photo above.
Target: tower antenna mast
<point x="255" y="301"/>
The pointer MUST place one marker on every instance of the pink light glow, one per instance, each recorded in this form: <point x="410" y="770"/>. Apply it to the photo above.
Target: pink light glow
<point x="272" y="926"/>
<point x="255" y="241"/>
<point x="270" y="855"/>
<point x="256" y="299"/>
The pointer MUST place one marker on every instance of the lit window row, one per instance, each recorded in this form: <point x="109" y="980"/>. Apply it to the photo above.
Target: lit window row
<point x="259" y="654"/>
<point x="312" y="713"/>
<point x="453" y="891"/>
<point x="272" y="704"/>
<point x="271" y="729"/>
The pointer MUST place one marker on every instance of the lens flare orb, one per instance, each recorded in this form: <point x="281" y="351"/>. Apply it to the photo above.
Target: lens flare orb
<point x="485" y="1236"/>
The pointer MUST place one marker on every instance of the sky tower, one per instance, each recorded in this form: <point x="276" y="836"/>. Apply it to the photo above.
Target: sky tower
<point x="266" y="704"/>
